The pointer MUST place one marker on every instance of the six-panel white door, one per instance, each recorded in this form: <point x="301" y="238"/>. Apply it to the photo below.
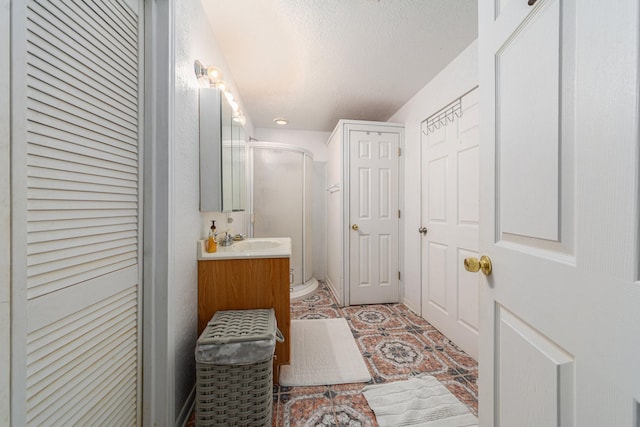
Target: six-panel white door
<point x="450" y="214"/>
<point x="559" y="318"/>
<point x="373" y="212"/>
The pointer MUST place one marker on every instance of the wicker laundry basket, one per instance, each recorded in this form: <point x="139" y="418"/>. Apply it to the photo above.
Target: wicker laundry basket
<point x="234" y="369"/>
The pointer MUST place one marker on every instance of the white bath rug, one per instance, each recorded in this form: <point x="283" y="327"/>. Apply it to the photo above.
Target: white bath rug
<point x="323" y="352"/>
<point x="418" y="401"/>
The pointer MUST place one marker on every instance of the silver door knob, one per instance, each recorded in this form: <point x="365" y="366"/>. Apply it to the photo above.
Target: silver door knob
<point x="423" y="230"/>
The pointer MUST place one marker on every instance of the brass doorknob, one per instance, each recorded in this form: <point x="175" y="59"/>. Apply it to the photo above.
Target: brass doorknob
<point x="355" y="227"/>
<point x="474" y="264"/>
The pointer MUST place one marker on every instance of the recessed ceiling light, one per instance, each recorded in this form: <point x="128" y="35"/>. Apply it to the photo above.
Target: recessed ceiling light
<point x="280" y="121"/>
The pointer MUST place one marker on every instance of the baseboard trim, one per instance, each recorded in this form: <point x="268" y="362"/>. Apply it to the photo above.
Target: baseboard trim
<point x="411" y="307"/>
<point x="187" y="408"/>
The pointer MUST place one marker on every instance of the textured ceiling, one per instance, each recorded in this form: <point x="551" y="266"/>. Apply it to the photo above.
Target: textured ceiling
<point x="318" y="61"/>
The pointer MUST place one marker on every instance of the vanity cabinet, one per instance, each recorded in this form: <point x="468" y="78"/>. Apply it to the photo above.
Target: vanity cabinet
<point x="248" y="283"/>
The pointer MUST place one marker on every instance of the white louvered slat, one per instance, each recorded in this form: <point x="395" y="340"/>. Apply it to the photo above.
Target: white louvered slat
<point x="53" y="377"/>
<point x="68" y="378"/>
<point x="56" y="205"/>
<point x="119" y="23"/>
<point x="62" y="66"/>
<point x="119" y="396"/>
<point x="75" y="264"/>
<point x="74" y="163"/>
<point x="78" y="356"/>
<point x="122" y="43"/>
<point x="86" y="196"/>
<point x="36" y="173"/>
<point x="80" y="114"/>
<point x="47" y="104"/>
<point x="83" y="242"/>
<point x="69" y="138"/>
<point x="80" y="214"/>
<point x="57" y="89"/>
<point x="110" y="68"/>
<point x="92" y="390"/>
<point x="44" y="242"/>
<point x="76" y="223"/>
<point x="102" y="301"/>
<point x="124" y="11"/>
<point x="80" y="187"/>
<point x="57" y="280"/>
<point x="88" y="388"/>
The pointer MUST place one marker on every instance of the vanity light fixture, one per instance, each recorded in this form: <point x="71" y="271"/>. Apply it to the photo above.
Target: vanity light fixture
<point x="212" y="74"/>
<point x="238" y="117"/>
<point x="280" y="121"/>
<point x="213" y="78"/>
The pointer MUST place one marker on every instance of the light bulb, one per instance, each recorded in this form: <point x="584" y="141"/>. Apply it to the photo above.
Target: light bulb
<point x="214" y="74"/>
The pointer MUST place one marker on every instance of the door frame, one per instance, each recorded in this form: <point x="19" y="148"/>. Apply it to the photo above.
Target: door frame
<point x="5" y="212"/>
<point x="158" y="387"/>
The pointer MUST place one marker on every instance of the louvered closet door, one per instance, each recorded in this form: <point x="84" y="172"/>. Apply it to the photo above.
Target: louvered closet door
<point x="76" y="205"/>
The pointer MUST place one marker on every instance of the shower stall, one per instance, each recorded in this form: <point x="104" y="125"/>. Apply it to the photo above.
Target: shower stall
<point x="280" y="205"/>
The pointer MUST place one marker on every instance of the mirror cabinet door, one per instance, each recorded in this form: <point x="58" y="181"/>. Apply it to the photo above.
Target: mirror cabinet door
<point x="222" y="155"/>
<point x="210" y="150"/>
<point x="226" y="120"/>
<point x="239" y="169"/>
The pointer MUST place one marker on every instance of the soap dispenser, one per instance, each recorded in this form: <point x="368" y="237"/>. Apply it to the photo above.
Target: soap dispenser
<point x="212" y="246"/>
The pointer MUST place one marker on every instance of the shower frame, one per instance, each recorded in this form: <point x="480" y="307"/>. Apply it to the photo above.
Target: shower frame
<point x="307" y="282"/>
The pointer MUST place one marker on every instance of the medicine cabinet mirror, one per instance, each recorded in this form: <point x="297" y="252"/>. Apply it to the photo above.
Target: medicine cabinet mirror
<point x="222" y="154"/>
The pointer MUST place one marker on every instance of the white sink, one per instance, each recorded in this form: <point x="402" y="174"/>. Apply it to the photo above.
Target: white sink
<point x="255" y="245"/>
<point x="262" y="247"/>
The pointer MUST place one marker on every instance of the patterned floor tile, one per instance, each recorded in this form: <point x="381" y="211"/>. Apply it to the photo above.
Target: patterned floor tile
<point x="316" y="313"/>
<point x="353" y="410"/>
<point x="410" y="318"/>
<point x="395" y="356"/>
<point x="395" y="343"/>
<point x="307" y="409"/>
<point x="373" y="318"/>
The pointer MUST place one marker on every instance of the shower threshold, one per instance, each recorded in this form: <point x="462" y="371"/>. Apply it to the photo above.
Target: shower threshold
<point x="303" y="289"/>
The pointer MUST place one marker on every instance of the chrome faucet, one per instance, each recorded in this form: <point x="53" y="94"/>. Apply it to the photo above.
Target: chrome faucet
<point x="227" y="241"/>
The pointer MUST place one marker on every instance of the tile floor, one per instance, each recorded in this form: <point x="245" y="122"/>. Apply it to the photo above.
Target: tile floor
<point x="395" y="344"/>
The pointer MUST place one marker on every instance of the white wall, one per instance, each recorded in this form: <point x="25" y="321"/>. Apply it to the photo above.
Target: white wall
<point x="173" y="222"/>
<point x="194" y="39"/>
<point x="5" y="214"/>
<point x="457" y="78"/>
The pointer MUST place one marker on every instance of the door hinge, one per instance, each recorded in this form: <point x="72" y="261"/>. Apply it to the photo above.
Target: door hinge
<point x="399" y="151"/>
<point x="398" y="275"/>
<point x="399" y="213"/>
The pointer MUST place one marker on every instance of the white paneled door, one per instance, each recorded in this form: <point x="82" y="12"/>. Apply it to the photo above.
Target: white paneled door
<point x="76" y="234"/>
<point x="373" y="213"/>
<point x="559" y="210"/>
<point x="450" y="216"/>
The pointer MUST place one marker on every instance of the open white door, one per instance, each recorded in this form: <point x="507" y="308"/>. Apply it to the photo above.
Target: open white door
<point x="450" y="211"/>
<point x="560" y="317"/>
